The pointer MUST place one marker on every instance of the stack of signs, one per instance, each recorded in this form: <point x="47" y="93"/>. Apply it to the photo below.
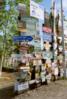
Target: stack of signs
<point x="47" y="34"/>
<point x="60" y="50"/>
<point x="47" y="43"/>
<point x="32" y="29"/>
<point x="47" y="53"/>
<point x="37" y="12"/>
<point x="55" y="47"/>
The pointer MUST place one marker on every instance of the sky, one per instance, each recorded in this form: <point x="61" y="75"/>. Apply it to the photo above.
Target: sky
<point x="47" y="5"/>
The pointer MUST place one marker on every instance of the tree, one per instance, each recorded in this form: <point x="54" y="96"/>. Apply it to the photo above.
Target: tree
<point x="51" y="21"/>
<point x="27" y="3"/>
<point x="8" y="23"/>
<point x="57" y="24"/>
<point x="8" y="26"/>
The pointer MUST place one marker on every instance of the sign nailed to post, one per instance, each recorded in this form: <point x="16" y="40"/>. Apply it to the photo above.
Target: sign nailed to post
<point x="22" y="38"/>
<point x="47" y="37"/>
<point x="47" y="30"/>
<point x="36" y="11"/>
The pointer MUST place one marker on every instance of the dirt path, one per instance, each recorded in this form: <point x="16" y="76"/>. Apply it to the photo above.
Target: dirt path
<point x="56" y="90"/>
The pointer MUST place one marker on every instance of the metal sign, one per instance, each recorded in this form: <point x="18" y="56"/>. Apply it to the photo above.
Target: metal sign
<point x="22" y="38"/>
<point x="36" y="11"/>
<point x="47" y="37"/>
<point x="31" y="25"/>
<point x="46" y="29"/>
<point x="47" y="55"/>
<point x="21" y="87"/>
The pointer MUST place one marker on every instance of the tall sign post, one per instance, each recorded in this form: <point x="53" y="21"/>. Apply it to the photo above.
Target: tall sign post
<point x="54" y="31"/>
<point x="62" y="27"/>
<point x="37" y="12"/>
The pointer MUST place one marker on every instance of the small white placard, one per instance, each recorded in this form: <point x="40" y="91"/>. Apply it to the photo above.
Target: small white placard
<point x="43" y="78"/>
<point x="22" y="86"/>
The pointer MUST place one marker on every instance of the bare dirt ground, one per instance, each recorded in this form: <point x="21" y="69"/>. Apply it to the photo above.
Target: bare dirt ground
<point x="55" y="90"/>
<point x="6" y="79"/>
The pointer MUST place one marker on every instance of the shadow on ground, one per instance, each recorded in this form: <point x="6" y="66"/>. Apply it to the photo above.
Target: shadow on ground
<point x="7" y="93"/>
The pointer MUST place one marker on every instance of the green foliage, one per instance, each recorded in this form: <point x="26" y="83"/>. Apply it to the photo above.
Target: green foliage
<point x="38" y="0"/>
<point x="1" y="46"/>
<point x="51" y="21"/>
<point x="31" y="49"/>
<point x="57" y="24"/>
<point x="27" y="3"/>
<point x="8" y="25"/>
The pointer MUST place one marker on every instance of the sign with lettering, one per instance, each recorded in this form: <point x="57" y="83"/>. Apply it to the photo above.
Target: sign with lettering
<point x="47" y="37"/>
<point x="22" y="38"/>
<point x="47" y="55"/>
<point x="21" y="86"/>
<point x="36" y="11"/>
